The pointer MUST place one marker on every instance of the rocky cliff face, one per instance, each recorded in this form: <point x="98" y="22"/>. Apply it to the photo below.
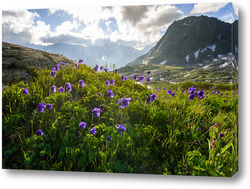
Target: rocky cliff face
<point x="193" y="41"/>
<point x="17" y="62"/>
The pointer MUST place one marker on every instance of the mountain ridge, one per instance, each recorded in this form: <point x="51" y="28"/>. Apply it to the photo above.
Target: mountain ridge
<point x="101" y="53"/>
<point x="191" y="41"/>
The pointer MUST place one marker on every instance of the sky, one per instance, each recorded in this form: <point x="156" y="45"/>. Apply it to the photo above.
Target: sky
<point x="136" y="26"/>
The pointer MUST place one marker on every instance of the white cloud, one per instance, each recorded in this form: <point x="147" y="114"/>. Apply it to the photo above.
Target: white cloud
<point x="19" y="27"/>
<point x="137" y="25"/>
<point x="66" y="27"/>
<point x="207" y="7"/>
<point x="228" y="17"/>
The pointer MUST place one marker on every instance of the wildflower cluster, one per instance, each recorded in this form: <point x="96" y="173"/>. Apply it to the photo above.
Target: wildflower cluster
<point x="151" y="98"/>
<point x="193" y="94"/>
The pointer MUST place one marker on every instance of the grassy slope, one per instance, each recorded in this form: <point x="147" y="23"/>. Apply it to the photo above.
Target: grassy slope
<point x="160" y="138"/>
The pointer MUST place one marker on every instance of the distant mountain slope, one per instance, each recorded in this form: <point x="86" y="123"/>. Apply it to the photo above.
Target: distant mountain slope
<point x="101" y="53"/>
<point x="192" y="41"/>
<point x="17" y="59"/>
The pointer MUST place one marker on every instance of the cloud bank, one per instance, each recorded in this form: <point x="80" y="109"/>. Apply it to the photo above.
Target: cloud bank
<point x="136" y="26"/>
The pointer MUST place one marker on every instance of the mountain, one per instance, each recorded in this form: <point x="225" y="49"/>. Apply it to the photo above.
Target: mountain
<point x="101" y="52"/>
<point x="192" y="41"/>
<point x="18" y="60"/>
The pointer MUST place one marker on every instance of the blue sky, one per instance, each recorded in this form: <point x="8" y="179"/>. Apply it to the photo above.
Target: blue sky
<point x="136" y="26"/>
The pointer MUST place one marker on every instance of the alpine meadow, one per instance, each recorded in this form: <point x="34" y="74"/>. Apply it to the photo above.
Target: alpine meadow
<point x="170" y="108"/>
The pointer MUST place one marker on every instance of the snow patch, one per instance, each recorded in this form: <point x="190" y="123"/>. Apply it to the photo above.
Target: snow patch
<point x="224" y="65"/>
<point x="163" y="62"/>
<point x="172" y="82"/>
<point x="206" y="67"/>
<point x="219" y="37"/>
<point x="187" y="58"/>
<point x="204" y="49"/>
<point x="212" y="47"/>
<point x="196" y="54"/>
<point x="145" y="62"/>
<point x="220" y="55"/>
<point x="162" y="79"/>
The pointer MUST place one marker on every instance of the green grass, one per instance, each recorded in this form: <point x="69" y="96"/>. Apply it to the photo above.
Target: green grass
<point x="160" y="138"/>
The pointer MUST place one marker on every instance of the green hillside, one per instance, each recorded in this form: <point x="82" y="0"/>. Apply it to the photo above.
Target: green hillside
<point x="164" y="134"/>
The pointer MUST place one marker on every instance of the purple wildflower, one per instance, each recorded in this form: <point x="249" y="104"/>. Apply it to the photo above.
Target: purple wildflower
<point x="106" y="70"/>
<point x="41" y="107"/>
<point x="110" y="93"/>
<point x="107" y="83"/>
<point x="112" y="81"/>
<point x="173" y="94"/>
<point x="191" y="90"/>
<point x="57" y="67"/>
<point x="49" y="106"/>
<point x="201" y="94"/>
<point x="149" y="72"/>
<point x="121" y="128"/>
<point x="96" y="68"/>
<point x="148" y="79"/>
<point x="99" y="94"/>
<point x="169" y="92"/>
<point x="221" y="134"/>
<point x="68" y="87"/>
<point x="96" y="112"/>
<point x="199" y="129"/>
<point x="53" y="88"/>
<point x="81" y="82"/>
<point x="142" y="77"/>
<point x="214" y="88"/>
<point x="116" y="70"/>
<point x="218" y="92"/>
<point x="101" y="68"/>
<point x="92" y="131"/>
<point x="135" y="77"/>
<point x="62" y="63"/>
<point x="148" y="99"/>
<point x="124" y="102"/>
<point x="80" y="61"/>
<point x="102" y="107"/>
<point x="76" y="64"/>
<point x="39" y="132"/>
<point x="191" y="97"/>
<point x="153" y="96"/>
<point x="108" y="138"/>
<point x="82" y="125"/>
<point x="61" y="89"/>
<point x="25" y="91"/>
<point x="123" y="77"/>
<point x="53" y="73"/>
